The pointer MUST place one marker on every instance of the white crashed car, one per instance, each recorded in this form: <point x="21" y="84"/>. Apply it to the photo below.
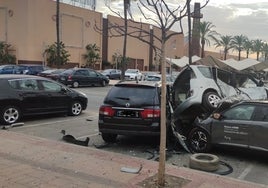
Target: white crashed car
<point x="133" y="74"/>
<point x="199" y="89"/>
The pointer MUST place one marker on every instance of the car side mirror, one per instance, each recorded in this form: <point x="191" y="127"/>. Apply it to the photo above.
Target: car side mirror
<point x="63" y="89"/>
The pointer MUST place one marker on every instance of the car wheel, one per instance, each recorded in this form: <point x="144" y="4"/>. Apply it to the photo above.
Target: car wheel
<point x="199" y="140"/>
<point x="75" y="84"/>
<point x="103" y="83"/>
<point x="109" y="138"/>
<point x="211" y="100"/>
<point x="75" y="109"/>
<point x="204" y="161"/>
<point x="10" y="115"/>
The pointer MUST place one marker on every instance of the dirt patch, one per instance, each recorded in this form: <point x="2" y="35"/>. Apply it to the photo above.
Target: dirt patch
<point x="170" y="181"/>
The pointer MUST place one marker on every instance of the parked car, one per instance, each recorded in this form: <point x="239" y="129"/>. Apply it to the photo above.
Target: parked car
<point x="131" y="108"/>
<point x="51" y="73"/>
<point x="9" y="69"/>
<point x="76" y="77"/>
<point x="244" y="125"/>
<point x="133" y="74"/>
<point x="112" y="73"/>
<point x="199" y="89"/>
<point x="23" y="95"/>
<point x="31" y="69"/>
<point x="158" y="77"/>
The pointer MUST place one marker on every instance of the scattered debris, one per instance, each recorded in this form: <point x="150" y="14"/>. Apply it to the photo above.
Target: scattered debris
<point x="131" y="170"/>
<point x="71" y="139"/>
<point x="5" y="127"/>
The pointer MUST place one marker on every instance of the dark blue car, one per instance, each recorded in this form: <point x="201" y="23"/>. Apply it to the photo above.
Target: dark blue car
<point x="9" y="69"/>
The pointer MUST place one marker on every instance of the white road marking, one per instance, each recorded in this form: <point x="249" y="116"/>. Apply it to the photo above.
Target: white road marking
<point x="245" y="172"/>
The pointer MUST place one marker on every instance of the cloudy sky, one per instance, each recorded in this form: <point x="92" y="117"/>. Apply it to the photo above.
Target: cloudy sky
<point x="230" y="17"/>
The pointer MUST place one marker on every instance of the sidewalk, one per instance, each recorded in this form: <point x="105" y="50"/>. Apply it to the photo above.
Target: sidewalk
<point x="28" y="161"/>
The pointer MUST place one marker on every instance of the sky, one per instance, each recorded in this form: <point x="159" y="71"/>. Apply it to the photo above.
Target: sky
<point x="230" y="17"/>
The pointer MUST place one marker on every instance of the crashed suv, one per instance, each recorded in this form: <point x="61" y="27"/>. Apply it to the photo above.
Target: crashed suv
<point x="199" y="89"/>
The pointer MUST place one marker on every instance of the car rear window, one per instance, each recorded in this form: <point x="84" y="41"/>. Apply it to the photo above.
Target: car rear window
<point x="141" y="96"/>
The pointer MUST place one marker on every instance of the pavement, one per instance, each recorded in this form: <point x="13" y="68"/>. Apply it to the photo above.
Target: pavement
<point x="28" y="162"/>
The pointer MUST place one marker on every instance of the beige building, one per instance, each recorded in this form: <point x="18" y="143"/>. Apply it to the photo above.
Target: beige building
<point x="30" y="26"/>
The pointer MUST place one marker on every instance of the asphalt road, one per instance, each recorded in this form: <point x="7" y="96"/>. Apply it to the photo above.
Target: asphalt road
<point x="247" y="165"/>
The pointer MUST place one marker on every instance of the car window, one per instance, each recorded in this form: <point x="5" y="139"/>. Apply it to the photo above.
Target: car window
<point x="262" y="114"/>
<point x="28" y="84"/>
<point x="138" y="95"/>
<point x="241" y="112"/>
<point x="92" y="74"/>
<point x="205" y="72"/>
<point x="81" y="73"/>
<point x="50" y="86"/>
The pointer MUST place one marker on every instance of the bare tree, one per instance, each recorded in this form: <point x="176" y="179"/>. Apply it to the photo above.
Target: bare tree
<point x="158" y="13"/>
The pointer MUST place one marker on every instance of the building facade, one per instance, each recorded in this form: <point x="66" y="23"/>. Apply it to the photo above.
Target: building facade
<point x="30" y="26"/>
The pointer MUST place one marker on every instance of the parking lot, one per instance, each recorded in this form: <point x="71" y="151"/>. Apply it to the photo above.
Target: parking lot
<point x="249" y="166"/>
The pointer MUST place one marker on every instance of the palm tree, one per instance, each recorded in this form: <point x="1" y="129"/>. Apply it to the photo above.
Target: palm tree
<point x="238" y="44"/>
<point x="265" y="51"/>
<point x="206" y="33"/>
<point x="225" y="42"/>
<point x="257" y="47"/>
<point x="247" y="46"/>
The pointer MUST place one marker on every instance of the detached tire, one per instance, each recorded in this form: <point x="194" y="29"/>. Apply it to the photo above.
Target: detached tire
<point x="204" y="161"/>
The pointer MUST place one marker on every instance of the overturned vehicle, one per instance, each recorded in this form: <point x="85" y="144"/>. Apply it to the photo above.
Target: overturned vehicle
<point x="198" y="90"/>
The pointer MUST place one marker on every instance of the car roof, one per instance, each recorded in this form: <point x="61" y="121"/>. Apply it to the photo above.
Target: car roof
<point x="17" y="76"/>
<point x="141" y="83"/>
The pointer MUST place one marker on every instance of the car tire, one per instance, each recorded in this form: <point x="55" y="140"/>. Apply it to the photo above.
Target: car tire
<point x="108" y="137"/>
<point x="75" y="108"/>
<point x="10" y="115"/>
<point x="75" y="84"/>
<point x="204" y="161"/>
<point x="103" y="83"/>
<point x="199" y="140"/>
<point x="211" y="100"/>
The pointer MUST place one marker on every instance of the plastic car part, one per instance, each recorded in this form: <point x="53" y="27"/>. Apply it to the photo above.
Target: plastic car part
<point x="199" y="140"/>
<point x="76" y="108"/>
<point x="131" y="170"/>
<point x="10" y="115"/>
<point x="107" y="137"/>
<point x="204" y="161"/>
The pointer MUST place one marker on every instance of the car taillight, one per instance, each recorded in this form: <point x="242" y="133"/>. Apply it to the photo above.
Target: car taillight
<point x="150" y="113"/>
<point x="106" y="110"/>
<point x="70" y="77"/>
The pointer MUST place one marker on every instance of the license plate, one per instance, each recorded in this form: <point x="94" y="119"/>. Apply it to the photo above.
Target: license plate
<point x="127" y="113"/>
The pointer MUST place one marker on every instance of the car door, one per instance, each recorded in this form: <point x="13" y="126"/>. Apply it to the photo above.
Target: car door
<point x="31" y="97"/>
<point x="82" y="76"/>
<point x="259" y="128"/>
<point x="234" y="126"/>
<point x="94" y="78"/>
<point x="57" y="97"/>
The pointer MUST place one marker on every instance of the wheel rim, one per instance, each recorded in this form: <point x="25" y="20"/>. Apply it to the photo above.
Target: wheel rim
<point x="11" y="115"/>
<point x="75" y="84"/>
<point x="213" y="100"/>
<point x="199" y="141"/>
<point x="76" y="109"/>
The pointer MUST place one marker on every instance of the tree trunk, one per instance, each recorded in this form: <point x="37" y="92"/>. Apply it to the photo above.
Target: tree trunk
<point x="162" y="149"/>
<point x="189" y="31"/>
<point x="124" y="63"/>
<point x="58" y="32"/>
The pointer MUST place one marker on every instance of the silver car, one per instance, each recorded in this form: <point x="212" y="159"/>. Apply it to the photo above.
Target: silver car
<point x="244" y="124"/>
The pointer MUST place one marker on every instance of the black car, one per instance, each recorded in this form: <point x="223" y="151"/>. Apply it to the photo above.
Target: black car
<point x="31" y="69"/>
<point x="23" y="95"/>
<point x="112" y="73"/>
<point x="130" y="108"/>
<point x="51" y="73"/>
<point x="76" y="77"/>
<point x="243" y="124"/>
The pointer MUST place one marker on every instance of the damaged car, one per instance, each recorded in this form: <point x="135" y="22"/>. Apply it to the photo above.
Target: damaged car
<point x="242" y="124"/>
<point x="199" y="89"/>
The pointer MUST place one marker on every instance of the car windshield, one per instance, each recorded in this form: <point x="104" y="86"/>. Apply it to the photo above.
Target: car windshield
<point x="119" y="95"/>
